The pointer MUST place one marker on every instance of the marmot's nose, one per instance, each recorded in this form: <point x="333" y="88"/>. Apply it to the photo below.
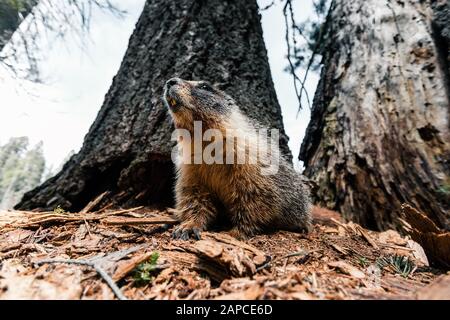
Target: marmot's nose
<point x="172" y="82"/>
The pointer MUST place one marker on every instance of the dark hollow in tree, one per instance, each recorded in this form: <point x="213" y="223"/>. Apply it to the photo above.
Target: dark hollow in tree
<point x="379" y="131"/>
<point x="127" y="150"/>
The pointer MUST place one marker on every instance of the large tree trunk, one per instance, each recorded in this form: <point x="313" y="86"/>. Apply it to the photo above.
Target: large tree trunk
<point x="127" y="150"/>
<point x="12" y="14"/>
<point x="379" y="131"/>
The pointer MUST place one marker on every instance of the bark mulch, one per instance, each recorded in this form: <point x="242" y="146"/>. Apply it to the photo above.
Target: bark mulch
<point x="129" y="254"/>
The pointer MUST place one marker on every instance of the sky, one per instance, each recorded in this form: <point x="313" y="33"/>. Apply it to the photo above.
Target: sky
<point x="60" y="111"/>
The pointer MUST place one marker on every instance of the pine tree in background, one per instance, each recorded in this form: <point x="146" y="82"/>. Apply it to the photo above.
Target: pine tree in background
<point x="14" y="146"/>
<point x="10" y="154"/>
<point x="33" y="168"/>
<point x="12" y="13"/>
<point x="20" y="170"/>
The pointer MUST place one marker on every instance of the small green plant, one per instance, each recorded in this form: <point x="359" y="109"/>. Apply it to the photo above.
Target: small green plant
<point x="400" y="264"/>
<point x="444" y="189"/>
<point x="59" y="210"/>
<point x="363" y="262"/>
<point x="143" y="272"/>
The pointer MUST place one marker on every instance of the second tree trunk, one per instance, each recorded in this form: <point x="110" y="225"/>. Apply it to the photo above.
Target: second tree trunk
<point x="379" y="132"/>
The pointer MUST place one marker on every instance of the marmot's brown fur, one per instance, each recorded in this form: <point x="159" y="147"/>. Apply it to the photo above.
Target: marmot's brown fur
<point x="251" y="201"/>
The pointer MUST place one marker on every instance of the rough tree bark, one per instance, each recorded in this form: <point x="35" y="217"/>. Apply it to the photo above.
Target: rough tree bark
<point x="379" y="131"/>
<point x="127" y="150"/>
<point x="11" y="15"/>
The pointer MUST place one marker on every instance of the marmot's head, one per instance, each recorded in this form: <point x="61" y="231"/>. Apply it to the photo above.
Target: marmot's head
<point x="190" y="101"/>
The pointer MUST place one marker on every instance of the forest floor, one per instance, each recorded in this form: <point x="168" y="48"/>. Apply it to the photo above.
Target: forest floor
<point x="129" y="254"/>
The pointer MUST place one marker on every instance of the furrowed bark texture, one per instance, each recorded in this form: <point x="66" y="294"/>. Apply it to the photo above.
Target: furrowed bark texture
<point x="127" y="150"/>
<point x="379" y="131"/>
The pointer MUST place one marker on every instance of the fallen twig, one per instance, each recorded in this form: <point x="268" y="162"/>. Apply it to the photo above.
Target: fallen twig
<point x="113" y="213"/>
<point x="367" y="237"/>
<point x="36" y="220"/>
<point x="290" y="255"/>
<point x="139" y="221"/>
<point x="91" y="205"/>
<point x="340" y="224"/>
<point x="97" y="268"/>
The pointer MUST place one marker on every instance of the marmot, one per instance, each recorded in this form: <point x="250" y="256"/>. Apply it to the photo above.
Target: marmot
<point x="251" y="201"/>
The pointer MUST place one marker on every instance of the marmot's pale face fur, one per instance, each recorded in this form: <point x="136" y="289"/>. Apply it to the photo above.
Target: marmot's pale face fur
<point x="190" y="101"/>
<point x="252" y="202"/>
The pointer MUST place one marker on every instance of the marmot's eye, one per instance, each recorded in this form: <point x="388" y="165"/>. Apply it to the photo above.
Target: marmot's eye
<point x="206" y="87"/>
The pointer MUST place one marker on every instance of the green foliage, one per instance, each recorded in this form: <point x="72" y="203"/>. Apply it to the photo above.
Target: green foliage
<point x="59" y="210"/>
<point x="444" y="189"/>
<point x="362" y="261"/>
<point x="143" y="274"/>
<point x="20" y="5"/>
<point x="21" y="170"/>
<point x="11" y="14"/>
<point x="400" y="264"/>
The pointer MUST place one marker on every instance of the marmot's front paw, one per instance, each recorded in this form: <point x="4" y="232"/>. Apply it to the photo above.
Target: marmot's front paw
<point x="187" y="230"/>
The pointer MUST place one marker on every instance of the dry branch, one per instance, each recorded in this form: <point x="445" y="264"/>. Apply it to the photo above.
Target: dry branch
<point x="290" y="255"/>
<point x="139" y="221"/>
<point x="91" y="205"/>
<point x="31" y="220"/>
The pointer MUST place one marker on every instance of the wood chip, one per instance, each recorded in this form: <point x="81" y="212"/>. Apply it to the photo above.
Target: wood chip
<point x="62" y="283"/>
<point x="424" y="231"/>
<point x="209" y="248"/>
<point x="251" y="293"/>
<point x="418" y="220"/>
<point x="181" y="260"/>
<point x="259" y="260"/>
<point x="218" y="266"/>
<point x="225" y="238"/>
<point x="339" y="248"/>
<point x="418" y="252"/>
<point x="348" y="269"/>
<point x="437" y="290"/>
<point x="301" y="296"/>
<point x="391" y="237"/>
<point x="366" y="236"/>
